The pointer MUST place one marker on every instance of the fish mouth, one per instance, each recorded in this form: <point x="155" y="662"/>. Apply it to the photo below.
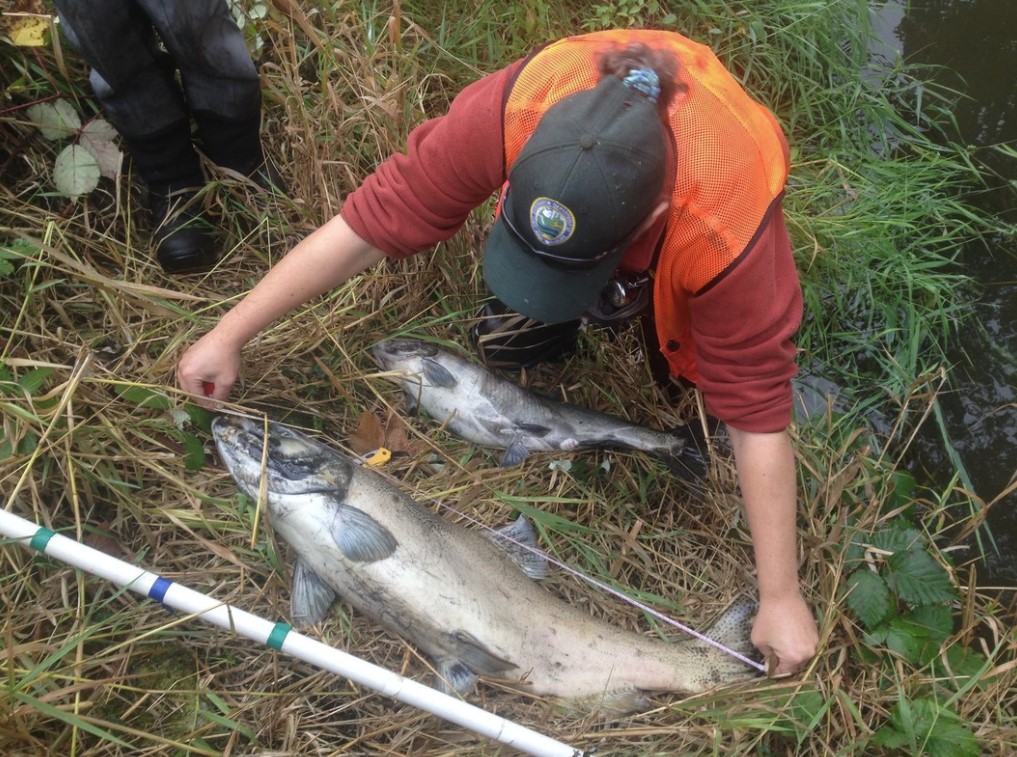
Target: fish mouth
<point x="391" y="351"/>
<point x="293" y="462"/>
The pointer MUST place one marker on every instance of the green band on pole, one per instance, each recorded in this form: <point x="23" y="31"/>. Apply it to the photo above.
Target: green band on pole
<point x="278" y="635"/>
<point x="41" y="539"/>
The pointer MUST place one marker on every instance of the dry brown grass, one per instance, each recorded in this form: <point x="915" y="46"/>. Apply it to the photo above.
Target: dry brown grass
<point x="89" y="670"/>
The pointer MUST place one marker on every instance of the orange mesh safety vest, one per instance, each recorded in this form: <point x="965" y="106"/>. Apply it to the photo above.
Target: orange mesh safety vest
<point x="732" y="165"/>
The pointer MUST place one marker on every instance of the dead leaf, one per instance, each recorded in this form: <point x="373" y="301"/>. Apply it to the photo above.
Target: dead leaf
<point x="369" y="435"/>
<point x="373" y="433"/>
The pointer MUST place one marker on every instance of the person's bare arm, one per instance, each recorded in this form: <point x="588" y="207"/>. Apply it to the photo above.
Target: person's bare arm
<point x="784" y="627"/>
<point x="322" y="261"/>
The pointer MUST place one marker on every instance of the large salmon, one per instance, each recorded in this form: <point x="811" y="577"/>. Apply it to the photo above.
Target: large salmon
<point x="456" y="594"/>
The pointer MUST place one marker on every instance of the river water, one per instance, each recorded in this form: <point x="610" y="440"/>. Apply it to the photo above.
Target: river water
<point x="976" y="42"/>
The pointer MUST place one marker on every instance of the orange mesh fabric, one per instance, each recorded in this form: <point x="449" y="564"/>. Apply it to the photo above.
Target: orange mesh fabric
<point x="732" y="164"/>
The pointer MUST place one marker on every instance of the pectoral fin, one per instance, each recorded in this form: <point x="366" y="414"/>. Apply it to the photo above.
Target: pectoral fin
<point x="458" y="673"/>
<point x="311" y="597"/>
<point x="360" y="537"/>
<point x="509" y="538"/>
<point x="438" y="375"/>
<point x="515" y="453"/>
<point x="477" y="657"/>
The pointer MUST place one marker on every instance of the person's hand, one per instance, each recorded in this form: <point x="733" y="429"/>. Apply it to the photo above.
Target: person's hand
<point x="785" y="630"/>
<point x="209" y="369"/>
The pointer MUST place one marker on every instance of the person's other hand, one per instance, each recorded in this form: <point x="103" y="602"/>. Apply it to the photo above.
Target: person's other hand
<point x="785" y="630"/>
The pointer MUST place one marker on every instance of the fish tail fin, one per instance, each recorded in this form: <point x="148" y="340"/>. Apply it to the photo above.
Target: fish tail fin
<point x="689" y="457"/>
<point x="734" y="625"/>
<point x="733" y="630"/>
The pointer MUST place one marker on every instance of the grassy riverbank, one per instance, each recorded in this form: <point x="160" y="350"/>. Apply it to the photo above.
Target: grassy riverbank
<point x="917" y="654"/>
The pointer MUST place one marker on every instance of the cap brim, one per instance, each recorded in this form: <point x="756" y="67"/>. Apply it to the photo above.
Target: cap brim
<point x="528" y="285"/>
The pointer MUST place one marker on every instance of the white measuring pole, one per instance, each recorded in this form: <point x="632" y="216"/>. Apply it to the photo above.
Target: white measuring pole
<point x="280" y="636"/>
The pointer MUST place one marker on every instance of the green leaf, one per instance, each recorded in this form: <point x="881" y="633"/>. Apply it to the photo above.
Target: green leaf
<point x="55" y="120"/>
<point x="27" y="445"/>
<point x="902" y="494"/>
<point x="918" y="636"/>
<point x="909" y="641"/>
<point x="918" y="579"/>
<point x="145" y="397"/>
<point x="18" y="249"/>
<point x="200" y="417"/>
<point x="803" y="712"/>
<point x="585" y="471"/>
<point x="928" y="728"/>
<point x="937" y="621"/>
<point x="194" y="451"/>
<point x="896" y="538"/>
<point x="76" y="171"/>
<point x="965" y="662"/>
<point x="33" y="380"/>
<point x="854" y="555"/>
<point x="890" y="738"/>
<point x="877" y="636"/>
<point x="950" y="739"/>
<point x="868" y="596"/>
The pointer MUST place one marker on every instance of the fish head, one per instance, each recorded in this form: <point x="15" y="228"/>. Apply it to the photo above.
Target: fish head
<point x="293" y="463"/>
<point x="423" y="366"/>
<point x="403" y="354"/>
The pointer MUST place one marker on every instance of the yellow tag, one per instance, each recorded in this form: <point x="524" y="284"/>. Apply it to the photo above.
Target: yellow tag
<point x="29" y="31"/>
<point x="378" y="457"/>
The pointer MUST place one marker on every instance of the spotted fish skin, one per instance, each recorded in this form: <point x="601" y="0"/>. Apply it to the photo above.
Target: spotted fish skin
<point x="457" y="594"/>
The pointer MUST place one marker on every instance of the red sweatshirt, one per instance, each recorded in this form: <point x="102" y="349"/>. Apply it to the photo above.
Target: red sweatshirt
<point x="742" y="322"/>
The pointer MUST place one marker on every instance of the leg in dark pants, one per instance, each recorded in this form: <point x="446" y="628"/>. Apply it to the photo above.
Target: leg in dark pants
<point x="135" y="82"/>
<point x="220" y="81"/>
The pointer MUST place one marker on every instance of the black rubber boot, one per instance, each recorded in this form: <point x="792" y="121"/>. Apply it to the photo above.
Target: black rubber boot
<point x="183" y="238"/>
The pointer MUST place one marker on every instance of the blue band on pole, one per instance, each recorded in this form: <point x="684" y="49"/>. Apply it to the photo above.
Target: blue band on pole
<point x="159" y="589"/>
<point x="41" y="539"/>
<point x="278" y="635"/>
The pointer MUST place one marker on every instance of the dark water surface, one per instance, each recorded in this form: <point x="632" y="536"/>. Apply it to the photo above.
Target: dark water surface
<point x="976" y="40"/>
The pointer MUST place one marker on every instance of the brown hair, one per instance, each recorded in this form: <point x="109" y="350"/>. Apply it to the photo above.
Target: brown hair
<point x="620" y="60"/>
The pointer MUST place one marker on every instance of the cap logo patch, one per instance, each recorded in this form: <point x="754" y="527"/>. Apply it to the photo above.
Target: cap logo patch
<point x="551" y="222"/>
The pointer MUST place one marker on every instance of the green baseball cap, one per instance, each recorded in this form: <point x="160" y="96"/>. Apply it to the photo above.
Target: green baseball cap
<point x="592" y="171"/>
